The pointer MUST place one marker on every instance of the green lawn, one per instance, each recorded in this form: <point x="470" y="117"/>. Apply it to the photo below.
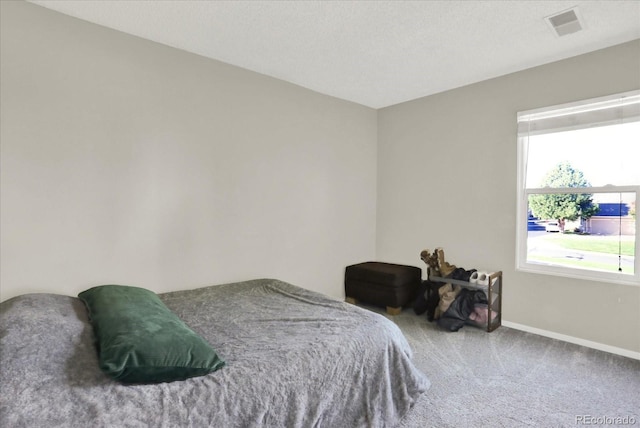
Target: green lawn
<point x="562" y="261"/>
<point x="598" y="244"/>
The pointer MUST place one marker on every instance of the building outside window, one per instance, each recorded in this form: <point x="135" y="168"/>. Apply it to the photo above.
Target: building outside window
<point x="578" y="184"/>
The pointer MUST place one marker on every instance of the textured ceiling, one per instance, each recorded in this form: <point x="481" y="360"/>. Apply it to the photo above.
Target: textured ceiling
<point x="375" y="53"/>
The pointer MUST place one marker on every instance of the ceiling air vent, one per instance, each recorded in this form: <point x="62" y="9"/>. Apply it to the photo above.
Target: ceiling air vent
<point x="566" y="22"/>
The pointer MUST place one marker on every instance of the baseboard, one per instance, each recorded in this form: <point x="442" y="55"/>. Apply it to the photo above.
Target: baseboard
<point x="574" y="340"/>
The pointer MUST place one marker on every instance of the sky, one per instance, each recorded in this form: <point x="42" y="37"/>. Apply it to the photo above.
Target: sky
<point x="605" y="155"/>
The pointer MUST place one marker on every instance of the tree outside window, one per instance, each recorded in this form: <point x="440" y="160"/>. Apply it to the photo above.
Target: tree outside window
<point x="568" y="206"/>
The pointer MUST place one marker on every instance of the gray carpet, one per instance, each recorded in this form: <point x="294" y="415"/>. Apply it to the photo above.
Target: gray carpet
<point x="510" y="378"/>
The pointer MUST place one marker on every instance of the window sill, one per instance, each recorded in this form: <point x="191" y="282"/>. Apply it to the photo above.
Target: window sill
<point x="605" y="277"/>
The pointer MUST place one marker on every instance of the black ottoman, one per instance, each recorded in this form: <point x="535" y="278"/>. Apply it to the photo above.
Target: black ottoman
<point x="382" y="284"/>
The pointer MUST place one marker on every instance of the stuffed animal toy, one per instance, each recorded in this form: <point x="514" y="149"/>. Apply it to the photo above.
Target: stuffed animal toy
<point x="429" y="297"/>
<point x="432" y="262"/>
<point x="445" y="268"/>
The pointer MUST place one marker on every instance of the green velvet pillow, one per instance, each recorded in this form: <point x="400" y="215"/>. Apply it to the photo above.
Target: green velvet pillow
<point x="140" y="340"/>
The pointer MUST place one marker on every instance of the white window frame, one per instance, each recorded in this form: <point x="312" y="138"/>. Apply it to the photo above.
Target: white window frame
<point x="522" y="207"/>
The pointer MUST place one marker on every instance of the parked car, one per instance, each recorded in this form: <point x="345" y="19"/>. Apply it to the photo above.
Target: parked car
<point x="552" y="226"/>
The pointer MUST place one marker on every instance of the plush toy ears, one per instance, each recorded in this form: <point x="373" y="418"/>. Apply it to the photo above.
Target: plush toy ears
<point x="431" y="260"/>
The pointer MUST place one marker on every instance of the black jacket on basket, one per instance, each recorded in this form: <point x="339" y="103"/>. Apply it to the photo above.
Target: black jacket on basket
<point x="460" y="309"/>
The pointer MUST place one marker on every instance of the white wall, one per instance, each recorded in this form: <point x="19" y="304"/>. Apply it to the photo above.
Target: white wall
<point x="447" y="178"/>
<point x="126" y="161"/>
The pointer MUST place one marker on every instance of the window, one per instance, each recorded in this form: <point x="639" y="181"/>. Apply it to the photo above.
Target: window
<point x="578" y="183"/>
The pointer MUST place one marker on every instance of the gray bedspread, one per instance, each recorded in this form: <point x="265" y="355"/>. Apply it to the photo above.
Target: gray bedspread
<point x="294" y="358"/>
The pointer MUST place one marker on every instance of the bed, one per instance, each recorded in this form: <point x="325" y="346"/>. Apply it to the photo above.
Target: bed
<point x="294" y="358"/>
